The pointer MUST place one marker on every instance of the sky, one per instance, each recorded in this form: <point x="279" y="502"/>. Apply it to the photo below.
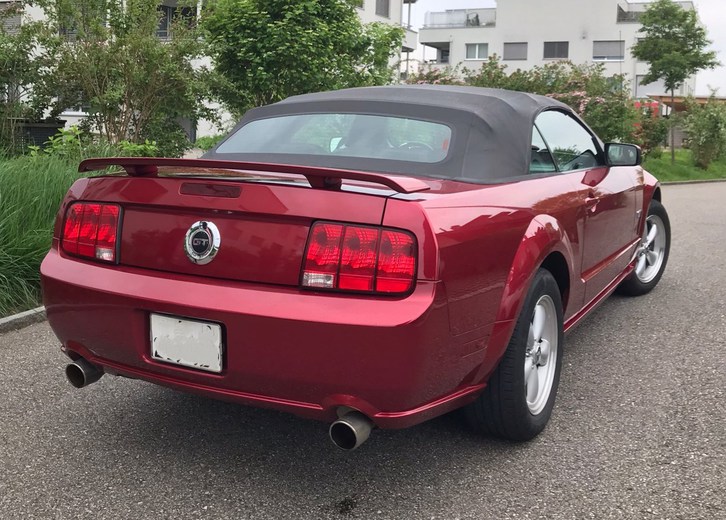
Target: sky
<point x="711" y="12"/>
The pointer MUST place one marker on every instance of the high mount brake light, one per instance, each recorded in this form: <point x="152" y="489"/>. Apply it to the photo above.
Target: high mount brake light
<point x="359" y="258"/>
<point x="90" y="231"/>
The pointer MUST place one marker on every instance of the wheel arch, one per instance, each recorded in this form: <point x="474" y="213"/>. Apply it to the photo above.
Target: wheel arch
<point x="557" y="265"/>
<point x="543" y="245"/>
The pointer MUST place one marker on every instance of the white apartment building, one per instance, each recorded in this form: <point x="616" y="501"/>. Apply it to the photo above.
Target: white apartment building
<point x="526" y="33"/>
<point x="390" y="12"/>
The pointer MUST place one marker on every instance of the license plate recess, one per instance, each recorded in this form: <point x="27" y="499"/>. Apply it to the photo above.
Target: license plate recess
<point x="190" y="343"/>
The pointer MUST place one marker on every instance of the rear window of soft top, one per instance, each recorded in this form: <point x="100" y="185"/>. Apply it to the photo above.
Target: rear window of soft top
<point x="345" y="135"/>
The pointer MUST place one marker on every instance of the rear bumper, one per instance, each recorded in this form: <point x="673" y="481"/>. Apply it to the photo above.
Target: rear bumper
<point x="301" y="352"/>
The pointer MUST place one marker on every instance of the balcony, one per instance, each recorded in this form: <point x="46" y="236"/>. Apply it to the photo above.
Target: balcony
<point x="631" y="12"/>
<point x="410" y="40"/>
<point x="458" y="18"/>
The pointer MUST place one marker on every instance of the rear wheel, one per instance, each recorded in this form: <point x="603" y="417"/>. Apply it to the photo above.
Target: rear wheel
<point x="652" y="254"/>
<point x="520" y="394"/>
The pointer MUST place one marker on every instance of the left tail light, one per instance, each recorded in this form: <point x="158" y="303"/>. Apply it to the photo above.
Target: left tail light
<point x="90" y="231"/>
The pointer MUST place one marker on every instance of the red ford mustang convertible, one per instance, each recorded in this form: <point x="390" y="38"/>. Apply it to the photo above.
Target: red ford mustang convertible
<point x="370" y="257"/>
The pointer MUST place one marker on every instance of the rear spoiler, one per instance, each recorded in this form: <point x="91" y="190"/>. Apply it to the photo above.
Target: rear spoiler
<point x="327" y="178"/>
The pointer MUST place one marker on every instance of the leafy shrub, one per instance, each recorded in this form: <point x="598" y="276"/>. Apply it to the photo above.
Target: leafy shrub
<point x="208" y="142"/>
<point x="706" y="127"/>
<point x="73" y="145"/>
<point x="169" y="138"/>
<point x="436" y="76"/>
<point x="650" y="133"/>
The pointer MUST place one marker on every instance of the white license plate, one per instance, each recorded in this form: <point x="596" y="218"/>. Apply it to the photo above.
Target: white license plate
<point x="190" y="343"/>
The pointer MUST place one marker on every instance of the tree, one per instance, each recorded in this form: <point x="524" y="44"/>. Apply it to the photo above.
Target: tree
<point x="266" y="50"/>
<point x="674" y="46"/>
<point x="134" y="84"/>
<point x="26" y="56"/>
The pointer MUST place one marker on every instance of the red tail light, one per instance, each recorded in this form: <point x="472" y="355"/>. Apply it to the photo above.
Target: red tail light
<point x="90" y="231"/>
<point x="359" y="258"/>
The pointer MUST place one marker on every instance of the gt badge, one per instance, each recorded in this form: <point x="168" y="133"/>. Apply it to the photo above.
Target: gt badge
<point x="202" y="242"/>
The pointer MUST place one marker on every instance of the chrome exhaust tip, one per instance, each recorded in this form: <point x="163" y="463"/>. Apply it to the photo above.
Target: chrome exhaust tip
<point x="81" y="373"/>
<point x="350" y="431"/>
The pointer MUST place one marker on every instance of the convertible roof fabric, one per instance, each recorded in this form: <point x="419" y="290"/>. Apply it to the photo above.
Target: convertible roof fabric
<point x="491" y="128"/>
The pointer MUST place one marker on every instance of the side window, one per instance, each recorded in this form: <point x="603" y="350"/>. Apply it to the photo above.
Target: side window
<point x="541" y="161"/>
<point x="572" y="147"/>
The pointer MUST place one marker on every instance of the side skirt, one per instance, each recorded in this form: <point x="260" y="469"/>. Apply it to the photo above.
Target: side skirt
<point x="597" y="300"/>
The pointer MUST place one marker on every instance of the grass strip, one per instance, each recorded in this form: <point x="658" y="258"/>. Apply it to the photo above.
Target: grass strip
<point x="683" y="169"/>
<point x="31" y="190"/>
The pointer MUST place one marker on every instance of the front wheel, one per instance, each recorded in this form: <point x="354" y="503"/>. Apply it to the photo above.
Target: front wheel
<point x="652" y="254"/>
<point x="518" y="399"/>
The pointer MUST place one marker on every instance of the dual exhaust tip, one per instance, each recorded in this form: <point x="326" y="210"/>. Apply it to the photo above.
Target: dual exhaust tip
<point x="347" y="433"/>
<point x="81" y="373"/>
<point x="350" y="431"/>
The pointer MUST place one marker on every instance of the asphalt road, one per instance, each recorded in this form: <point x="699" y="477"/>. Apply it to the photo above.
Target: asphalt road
<point x="638" y="430"/>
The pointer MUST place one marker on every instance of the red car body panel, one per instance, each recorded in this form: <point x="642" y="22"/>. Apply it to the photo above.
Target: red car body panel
<point x="398" y="359"/>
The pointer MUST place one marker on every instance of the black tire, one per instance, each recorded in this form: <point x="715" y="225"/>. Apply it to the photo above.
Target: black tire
<point x="636" y="284"/>
<point x="502" y="409"/>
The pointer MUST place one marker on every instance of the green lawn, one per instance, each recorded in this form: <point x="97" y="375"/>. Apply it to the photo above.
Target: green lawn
<point x="684" y="169"/>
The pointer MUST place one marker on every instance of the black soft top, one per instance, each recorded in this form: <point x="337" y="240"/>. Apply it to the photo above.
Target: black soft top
<point x="491" y="128"/>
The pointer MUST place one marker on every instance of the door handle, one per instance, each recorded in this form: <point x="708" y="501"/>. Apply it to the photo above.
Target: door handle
<point x="591" y="201"/>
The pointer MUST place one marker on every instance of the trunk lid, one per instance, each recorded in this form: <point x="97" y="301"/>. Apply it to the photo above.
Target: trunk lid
<point x="262" y="231"/>
<point x="263" y="228"/>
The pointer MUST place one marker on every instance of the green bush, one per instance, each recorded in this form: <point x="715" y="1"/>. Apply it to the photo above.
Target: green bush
<point x="650" y="133"/>
<point x="706" y="128"/>
<point x="208" y="141"/>
<point x="31" y="190"/>
<point x="73" y="145"/>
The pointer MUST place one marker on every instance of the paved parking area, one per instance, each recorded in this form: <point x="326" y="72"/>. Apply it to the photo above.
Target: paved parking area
<point x="639" y="429"/>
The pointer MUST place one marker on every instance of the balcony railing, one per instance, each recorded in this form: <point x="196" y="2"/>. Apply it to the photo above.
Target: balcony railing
<point x="461" y="18"/>
<point x="632" y="12"/>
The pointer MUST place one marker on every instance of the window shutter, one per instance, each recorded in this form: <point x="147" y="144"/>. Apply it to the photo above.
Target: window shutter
<point x="515" y="51"/>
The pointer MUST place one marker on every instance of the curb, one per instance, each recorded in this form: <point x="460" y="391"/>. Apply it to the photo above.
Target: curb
<point x="702" y="181"/>
<point x="23" y="319"/>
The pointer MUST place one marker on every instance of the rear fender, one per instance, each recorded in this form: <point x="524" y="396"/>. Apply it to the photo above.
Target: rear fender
<point x="543" y="237"/>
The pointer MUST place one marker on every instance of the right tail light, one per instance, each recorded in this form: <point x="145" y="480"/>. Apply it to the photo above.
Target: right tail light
<point x="355" y="258"/>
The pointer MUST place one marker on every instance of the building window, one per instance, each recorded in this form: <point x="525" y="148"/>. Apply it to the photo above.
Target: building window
<point x="169" y="15"/>
<point x="515" y="51"/>
<point x="556" y="50"/>
<point x="383" y="8"/>
<point x="608" y="50"/>
<point x="357" y="3"/>
<point x="163" y="32"/>
<point x="10" y="17"/>
<point x="477" y="51"/>
<point x="444" y="56"/>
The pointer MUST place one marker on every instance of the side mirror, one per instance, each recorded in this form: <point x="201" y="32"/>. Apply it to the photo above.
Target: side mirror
<point x="623" y="154"/>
